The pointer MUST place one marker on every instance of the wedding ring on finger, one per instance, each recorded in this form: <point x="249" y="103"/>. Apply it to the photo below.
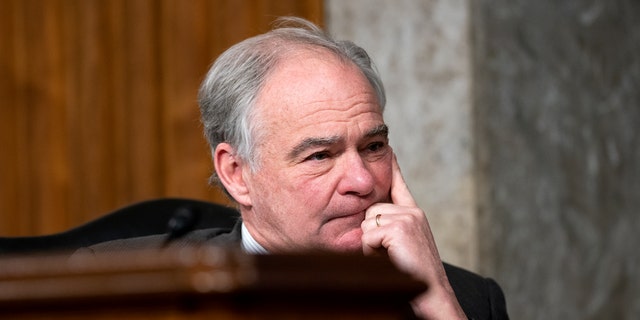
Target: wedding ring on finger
<point x="378" y="219"/>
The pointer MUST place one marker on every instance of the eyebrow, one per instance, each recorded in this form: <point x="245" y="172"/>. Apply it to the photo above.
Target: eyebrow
<point x="381" y="130"/>
<point x="314" y="142"/>
<point x="310" y="143"/>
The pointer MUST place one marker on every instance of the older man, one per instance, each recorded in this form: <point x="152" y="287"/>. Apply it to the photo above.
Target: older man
<point x="294" y="120"/>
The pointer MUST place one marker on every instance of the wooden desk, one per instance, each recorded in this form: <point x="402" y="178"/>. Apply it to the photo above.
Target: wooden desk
<point x="203" y="283"/>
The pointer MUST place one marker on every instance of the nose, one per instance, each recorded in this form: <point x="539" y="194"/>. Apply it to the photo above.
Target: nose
<point x="356" y="176"/>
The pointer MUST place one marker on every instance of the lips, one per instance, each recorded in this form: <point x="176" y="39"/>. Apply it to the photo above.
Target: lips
<point x="357" y="215"/>
<point x="349" y="209"/>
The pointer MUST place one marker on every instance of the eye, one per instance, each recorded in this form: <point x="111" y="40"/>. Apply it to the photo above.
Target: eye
<point x="318" y="156"/>
<point x="376" y="146"/>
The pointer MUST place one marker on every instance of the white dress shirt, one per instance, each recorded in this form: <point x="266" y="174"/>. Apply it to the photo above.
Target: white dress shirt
<point x="249" y="244"/>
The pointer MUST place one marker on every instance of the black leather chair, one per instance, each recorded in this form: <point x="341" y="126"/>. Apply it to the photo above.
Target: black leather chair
<point x="173" y="216"/>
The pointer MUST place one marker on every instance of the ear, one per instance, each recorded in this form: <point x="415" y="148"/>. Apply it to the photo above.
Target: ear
<point x="229" y="168"/>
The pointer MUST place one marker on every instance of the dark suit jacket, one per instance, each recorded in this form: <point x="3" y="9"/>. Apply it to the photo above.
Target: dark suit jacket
<point x="480" y="298"/>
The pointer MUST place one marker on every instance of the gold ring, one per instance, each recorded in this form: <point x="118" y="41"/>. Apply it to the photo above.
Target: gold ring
<point x="378" y="219"/>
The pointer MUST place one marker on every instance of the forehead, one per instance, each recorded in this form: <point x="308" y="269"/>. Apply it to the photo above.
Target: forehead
<point x="309" y="89"/>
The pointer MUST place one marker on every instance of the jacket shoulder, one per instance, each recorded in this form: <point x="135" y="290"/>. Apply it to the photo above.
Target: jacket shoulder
<point x="223" y="236"/>
<point x="479" y="297"/>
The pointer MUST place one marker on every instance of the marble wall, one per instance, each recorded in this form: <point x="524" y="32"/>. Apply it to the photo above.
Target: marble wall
<point x="517" y="124"/>
<point x="557" y="87"/>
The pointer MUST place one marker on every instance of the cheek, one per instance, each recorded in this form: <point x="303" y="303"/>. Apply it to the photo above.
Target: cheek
<point x="293" y="191"/>
<point x="382" y="172"/>
<point x="267" y="187"/>
<point x="314" y="190"/>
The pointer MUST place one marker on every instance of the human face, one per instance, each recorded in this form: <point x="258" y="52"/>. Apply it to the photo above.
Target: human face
<point x="323" y="156"/>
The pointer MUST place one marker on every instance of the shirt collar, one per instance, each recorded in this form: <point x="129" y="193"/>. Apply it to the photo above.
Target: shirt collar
<point x="249" y="244"/>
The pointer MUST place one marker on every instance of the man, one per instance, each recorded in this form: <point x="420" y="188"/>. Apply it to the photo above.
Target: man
<point x="298" y="140"/>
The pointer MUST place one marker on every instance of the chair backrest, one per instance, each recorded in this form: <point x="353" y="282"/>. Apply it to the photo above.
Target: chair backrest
<point x="169" y="215"/>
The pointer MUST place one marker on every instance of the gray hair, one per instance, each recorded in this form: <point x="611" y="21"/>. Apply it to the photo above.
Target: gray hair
<point x="230" y="89"/>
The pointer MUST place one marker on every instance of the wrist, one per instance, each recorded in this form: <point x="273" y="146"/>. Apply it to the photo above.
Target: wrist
<point x="438" y="304"/>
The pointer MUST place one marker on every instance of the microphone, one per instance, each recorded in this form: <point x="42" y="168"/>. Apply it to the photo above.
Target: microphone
<point x="182" y="221"/>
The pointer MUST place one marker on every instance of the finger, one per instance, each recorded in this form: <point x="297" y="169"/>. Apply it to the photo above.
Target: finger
<point x="400" y="193"/>
<point x="372" y="238"/>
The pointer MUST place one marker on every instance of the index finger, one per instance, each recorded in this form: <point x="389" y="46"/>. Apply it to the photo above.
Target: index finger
<point x="400" y="193"/>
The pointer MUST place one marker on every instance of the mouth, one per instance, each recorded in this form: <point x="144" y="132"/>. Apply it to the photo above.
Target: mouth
<point x="357" y="216"/>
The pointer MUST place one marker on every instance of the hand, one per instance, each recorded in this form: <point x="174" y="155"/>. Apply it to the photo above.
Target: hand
<point x="401" y="228"/>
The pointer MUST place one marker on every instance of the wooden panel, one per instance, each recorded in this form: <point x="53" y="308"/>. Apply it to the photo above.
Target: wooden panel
<point x="184" y="60"/>
<point x="10" y="163"/>
<point x="98" y="103"/>
<point x="204" y="283"/>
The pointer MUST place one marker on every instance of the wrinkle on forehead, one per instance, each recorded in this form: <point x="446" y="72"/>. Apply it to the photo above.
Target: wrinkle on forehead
<point x="342" y="109"/>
